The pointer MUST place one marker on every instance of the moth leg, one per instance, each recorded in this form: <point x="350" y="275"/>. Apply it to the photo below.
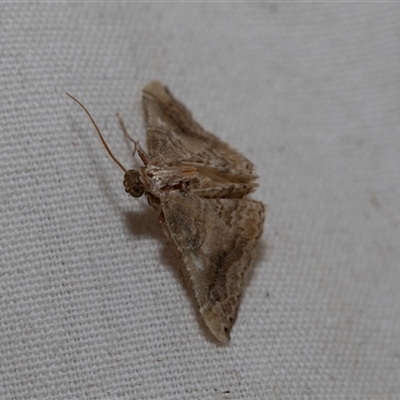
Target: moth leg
<point x="142" y="154"/>
<point x="123" y="127"/>
<point x="153" y="201"/>
<point x="125" y="131"/>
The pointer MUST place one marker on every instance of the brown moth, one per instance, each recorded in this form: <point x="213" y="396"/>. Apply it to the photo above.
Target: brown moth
<point x="197" y="184"/>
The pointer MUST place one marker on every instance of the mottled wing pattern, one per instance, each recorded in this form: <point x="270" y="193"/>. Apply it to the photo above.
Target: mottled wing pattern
<point x="173" y="134"/>
<point x="217" y="239"/>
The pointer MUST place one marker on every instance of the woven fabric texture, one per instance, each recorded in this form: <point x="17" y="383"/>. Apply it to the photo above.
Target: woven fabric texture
<point x="92" y="305"/>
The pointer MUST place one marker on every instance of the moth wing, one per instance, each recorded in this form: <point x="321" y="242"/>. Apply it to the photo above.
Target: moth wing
<point x="173" y="134"/>
<point x="217" y="240"/>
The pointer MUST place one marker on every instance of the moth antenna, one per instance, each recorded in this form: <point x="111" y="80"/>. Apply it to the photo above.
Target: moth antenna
<point x="102" y="140"/>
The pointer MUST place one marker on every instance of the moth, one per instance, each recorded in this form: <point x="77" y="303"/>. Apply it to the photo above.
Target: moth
<point x="197" y="184"/>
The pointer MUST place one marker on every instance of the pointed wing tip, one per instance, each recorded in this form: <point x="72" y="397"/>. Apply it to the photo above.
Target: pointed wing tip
<point x="154" y="88"/>
<point x="217" y="326"/>
<point x="219" y="333"/>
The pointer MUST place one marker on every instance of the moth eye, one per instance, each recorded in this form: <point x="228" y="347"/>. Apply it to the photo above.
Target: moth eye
<point x="135" y="191"/>
<point x="132" y="183"/>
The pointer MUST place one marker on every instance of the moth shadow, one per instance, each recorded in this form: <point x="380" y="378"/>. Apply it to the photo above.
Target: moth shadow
<point x="261" y="260"/>
<point x="144" y="223"/>
<point x="261" y="257"/>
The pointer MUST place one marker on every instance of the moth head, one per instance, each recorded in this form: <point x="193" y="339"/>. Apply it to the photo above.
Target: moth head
<point x="132" y="183"/>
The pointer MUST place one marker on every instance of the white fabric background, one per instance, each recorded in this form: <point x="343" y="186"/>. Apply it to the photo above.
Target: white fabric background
<point x="91" y="303"/>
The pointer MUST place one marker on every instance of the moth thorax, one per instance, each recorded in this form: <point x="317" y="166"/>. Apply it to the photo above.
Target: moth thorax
<point x="132" y="183"/>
